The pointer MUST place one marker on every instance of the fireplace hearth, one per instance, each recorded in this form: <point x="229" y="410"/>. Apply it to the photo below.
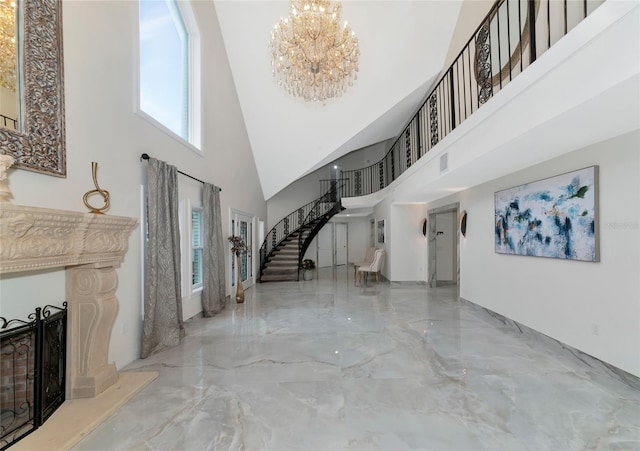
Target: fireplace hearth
<point x="32" y="371"/>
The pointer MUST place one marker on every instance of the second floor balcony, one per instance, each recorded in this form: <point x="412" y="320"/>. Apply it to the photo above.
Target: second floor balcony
<point x="536" y="80"/>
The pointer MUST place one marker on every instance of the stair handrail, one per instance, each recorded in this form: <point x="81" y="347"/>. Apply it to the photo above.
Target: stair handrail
<point x="469" y="82"/>
<point x="11" y="120"/>
<point x="287" y="225"/>
<point x="333" y="194"/>
<point x="331" y="198"/>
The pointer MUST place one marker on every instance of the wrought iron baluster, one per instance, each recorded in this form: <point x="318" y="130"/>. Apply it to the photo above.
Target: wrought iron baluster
<point x="483" y="64"/>
<point x="433" y="116"/>
<point x="452" y="99"/>
<point x="532" y="32"/>
<point x="407" y="146"/>
<point x="393" y="164"/>
<point x="508" y="39"/>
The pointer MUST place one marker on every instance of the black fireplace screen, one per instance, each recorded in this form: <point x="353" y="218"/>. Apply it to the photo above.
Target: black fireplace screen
<point x="32" y="371"/>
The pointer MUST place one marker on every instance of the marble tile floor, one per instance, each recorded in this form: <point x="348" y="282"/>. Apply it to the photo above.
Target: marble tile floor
<point x="327" y="365"/>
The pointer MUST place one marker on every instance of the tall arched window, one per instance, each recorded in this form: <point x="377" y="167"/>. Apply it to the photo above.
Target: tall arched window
<point x="169" y="78"/>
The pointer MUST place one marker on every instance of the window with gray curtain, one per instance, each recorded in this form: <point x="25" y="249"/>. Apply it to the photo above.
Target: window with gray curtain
<point x="163" y="327"/>
<point x="213" y="269"/>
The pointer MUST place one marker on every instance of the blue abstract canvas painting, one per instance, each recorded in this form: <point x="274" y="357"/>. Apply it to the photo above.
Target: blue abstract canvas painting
<point x="554" y="217"/>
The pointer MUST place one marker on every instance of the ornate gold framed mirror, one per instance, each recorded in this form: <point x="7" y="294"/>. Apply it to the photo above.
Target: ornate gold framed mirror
<point x="36" y="137"/>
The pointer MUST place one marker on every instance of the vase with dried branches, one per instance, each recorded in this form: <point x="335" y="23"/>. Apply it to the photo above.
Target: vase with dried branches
<point x="238" y="247"/>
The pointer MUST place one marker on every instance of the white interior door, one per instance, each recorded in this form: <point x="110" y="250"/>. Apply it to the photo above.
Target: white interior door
<point x="341" y="243"/>
<point x="445" y="230"/>
<point x="242" y="225"/>
<point x="372" y="233"/>
<point x="325" y="246"/>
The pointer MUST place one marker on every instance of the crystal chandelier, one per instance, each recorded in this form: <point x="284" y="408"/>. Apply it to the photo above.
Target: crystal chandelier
<point x="313" y="56"/>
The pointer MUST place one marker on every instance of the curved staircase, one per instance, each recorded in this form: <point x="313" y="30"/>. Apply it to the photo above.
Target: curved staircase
<point x="285" y="244"/>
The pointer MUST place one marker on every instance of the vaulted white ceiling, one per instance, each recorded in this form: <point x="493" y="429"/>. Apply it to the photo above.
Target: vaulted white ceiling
<point x="403" y="45"/>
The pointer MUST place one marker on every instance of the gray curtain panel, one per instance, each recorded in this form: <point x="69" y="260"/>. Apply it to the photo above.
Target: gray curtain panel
<point x="213" y="266"/>
<point x="163" y="327"/>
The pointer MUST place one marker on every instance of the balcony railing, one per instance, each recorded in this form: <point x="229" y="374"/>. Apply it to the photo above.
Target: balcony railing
<point x="8" y="122"/>
<point x="332" y="189"/>
<point x="508" y="40"/>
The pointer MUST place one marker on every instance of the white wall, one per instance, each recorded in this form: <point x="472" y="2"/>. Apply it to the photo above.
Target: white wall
<point x="8" y="104"/>
<point x="365" y="157"/>
<point x="405" y="246"/>
<point x="325" y="245"/>
<point x="407" y="260"/>
<point x="383" y="211"/>
<point x="471" y="13"/>
<point x="594" y="307"/>
<point x="100" y="41"/>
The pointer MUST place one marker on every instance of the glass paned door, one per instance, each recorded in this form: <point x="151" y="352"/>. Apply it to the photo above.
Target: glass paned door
<point x="243" y="232"/>
<point x="233" y="259"/>
<point x="242" y="225"/>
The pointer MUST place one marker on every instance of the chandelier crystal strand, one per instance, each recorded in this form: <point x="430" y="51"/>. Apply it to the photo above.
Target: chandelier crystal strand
<point x="313" y="55"/>
<point x="8" y="44"/>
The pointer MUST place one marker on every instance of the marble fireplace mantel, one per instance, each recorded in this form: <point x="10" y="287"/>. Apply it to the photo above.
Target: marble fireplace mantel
<point x="38" y="238"/>
<point x="90" y="247"/>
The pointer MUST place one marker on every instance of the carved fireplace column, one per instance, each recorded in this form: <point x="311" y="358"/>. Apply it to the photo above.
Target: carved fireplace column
<point x="93" y="306"/>
<point x="90" y="247"/>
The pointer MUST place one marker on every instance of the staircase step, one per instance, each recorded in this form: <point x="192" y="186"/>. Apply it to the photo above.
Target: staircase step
<point x="279" y="278"/>
<point x="282" y="262"/>
<point x="289" y="243"/>
<point x="280" y="269"/>
<point x="284" y="257"/>
<point x="290" y="266"/>
<point x="280" y="272"/>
